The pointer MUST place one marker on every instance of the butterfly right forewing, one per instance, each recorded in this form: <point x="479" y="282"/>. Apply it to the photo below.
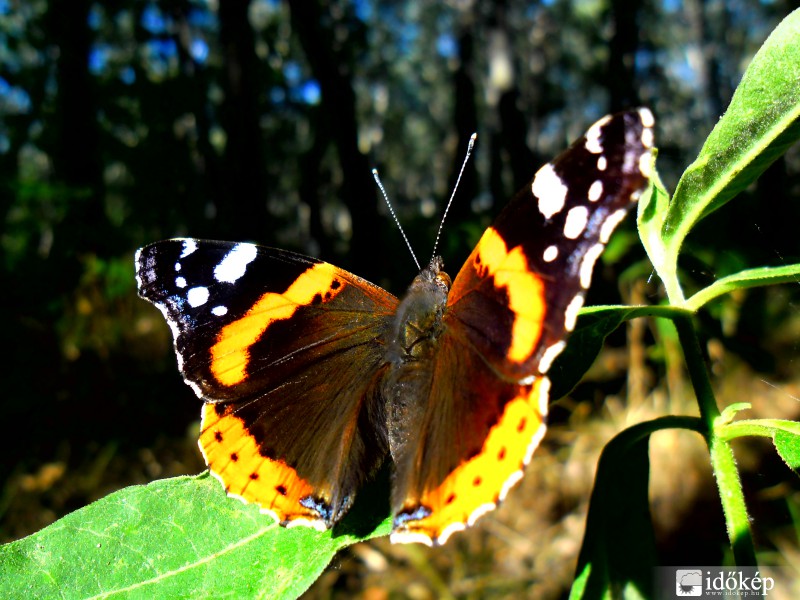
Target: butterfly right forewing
<point x="507" y="317"/>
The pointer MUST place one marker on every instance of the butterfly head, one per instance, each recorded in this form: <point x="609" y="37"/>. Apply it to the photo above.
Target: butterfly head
<point x="434" y="273"/>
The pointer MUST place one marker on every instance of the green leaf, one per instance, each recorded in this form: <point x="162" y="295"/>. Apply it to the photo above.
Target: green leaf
<point x="785" y="435"/>
<point x="744" y="279"/>
<point x="729" y="413"/>
<point x="585" y="342"/>
<point x="759" y="125"/>
<point x="756" y="427"/>
<point x="652" y="210"/>
<point x="618" y="554"/>
<point x="175" y="538"/>
<point x="788" y="447"/>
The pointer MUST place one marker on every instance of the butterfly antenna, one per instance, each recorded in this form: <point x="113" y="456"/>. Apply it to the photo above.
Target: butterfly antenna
<point x="471" y="145"/>
<point x="394" y="216"/>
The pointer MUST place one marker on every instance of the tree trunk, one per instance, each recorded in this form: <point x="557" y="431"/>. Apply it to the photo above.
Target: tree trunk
<point x="243" y="208"/>
<point x="313" y="24"/>
<point x="707" y="46"/>
<point x="74" y="135"/>
<point x="207" y="184"/>
<point x="622" y="55"/>
<point x="466" y="123"/>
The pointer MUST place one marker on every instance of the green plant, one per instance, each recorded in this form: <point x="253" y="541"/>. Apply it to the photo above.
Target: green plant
<point x="183" y="537"/>
<point x="762" y="121"/>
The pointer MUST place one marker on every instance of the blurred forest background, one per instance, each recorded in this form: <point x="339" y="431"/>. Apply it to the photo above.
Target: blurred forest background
<point x="126" y="122"/>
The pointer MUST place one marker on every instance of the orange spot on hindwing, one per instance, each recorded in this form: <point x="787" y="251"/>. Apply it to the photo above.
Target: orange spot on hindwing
<point x="524" y="289"/>
<point x="478" y="484"/>
<point x="233" y="457"/>
<point x="231" y="353"/>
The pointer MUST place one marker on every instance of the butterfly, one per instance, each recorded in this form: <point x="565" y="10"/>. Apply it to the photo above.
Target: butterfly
<point x="312" y="378"/>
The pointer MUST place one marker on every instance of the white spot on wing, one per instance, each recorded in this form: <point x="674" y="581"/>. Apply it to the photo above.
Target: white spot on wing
<point x="177" y="266"/>
<point x="219" y="311"/>
<point x="233" y="266"/>
<point x="145" y="268"/>
<point x="550" y="355"/>
<point x="647" y="117"/>
<point x="647" y="138"/>
<point x="544" y="398"/>
<point x="189" y="246"/>
<point x="610" y="224"/>
<point x="510" y="483"/>
<point x="263" y="511"/>
<point x="197" y="296"/>
<point x="645" y="164"/>
<point x="550" y="253"/>
<point x="137" y="261"/>
<point x="595" y="191"/>
<point x="602" y="163"/>
<point x="180" y="282"/>
<point x="587" y="264"/>
<point x="195" y="387"/>
<point x="537" y="437"/>
<point x="593" y="144"/>
<point x="480" y="511"/>
<point x="405" y="537"/>
<point x="317" y="524"/>
<point x="544" y="402"/>
<point x="450" y="530"/>
<point x="571" y="314"/>
<point x="549" y="190"/>
<point x="577" y="217"/>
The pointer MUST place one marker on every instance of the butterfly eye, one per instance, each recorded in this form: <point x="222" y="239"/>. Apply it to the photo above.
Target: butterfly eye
<point x="445" y="280"/>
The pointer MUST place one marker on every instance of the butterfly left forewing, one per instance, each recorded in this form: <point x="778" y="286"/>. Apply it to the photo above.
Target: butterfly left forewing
<point x="286" y="351"/>
<point x="508" y="313"/>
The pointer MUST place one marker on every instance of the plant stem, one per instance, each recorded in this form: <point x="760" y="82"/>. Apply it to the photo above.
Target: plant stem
<point x="696" y="364"/>
<point x="737" y="521"/>
<point x="722" y="460"/>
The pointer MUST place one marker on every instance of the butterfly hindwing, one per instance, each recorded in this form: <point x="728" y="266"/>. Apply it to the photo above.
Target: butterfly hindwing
<point x="286" y="352"/>
<point x="471" y="443"/>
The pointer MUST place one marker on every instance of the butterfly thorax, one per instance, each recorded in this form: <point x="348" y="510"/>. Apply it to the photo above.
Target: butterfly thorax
<point x="418" y="320"/>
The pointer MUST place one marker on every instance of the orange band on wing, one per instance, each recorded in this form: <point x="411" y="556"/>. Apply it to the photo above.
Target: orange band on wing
<point x="524" y="288"/>
<point x="233" y="457"/>
<point x="477" y="485"/>
<point x="231" y="353"/>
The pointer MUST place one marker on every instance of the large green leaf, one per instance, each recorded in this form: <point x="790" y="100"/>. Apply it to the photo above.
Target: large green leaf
<point x="759" y="125"/>
<point x="618" y="552"/>
<point x="618" y="555"/>
<point x="177" y="538"/>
